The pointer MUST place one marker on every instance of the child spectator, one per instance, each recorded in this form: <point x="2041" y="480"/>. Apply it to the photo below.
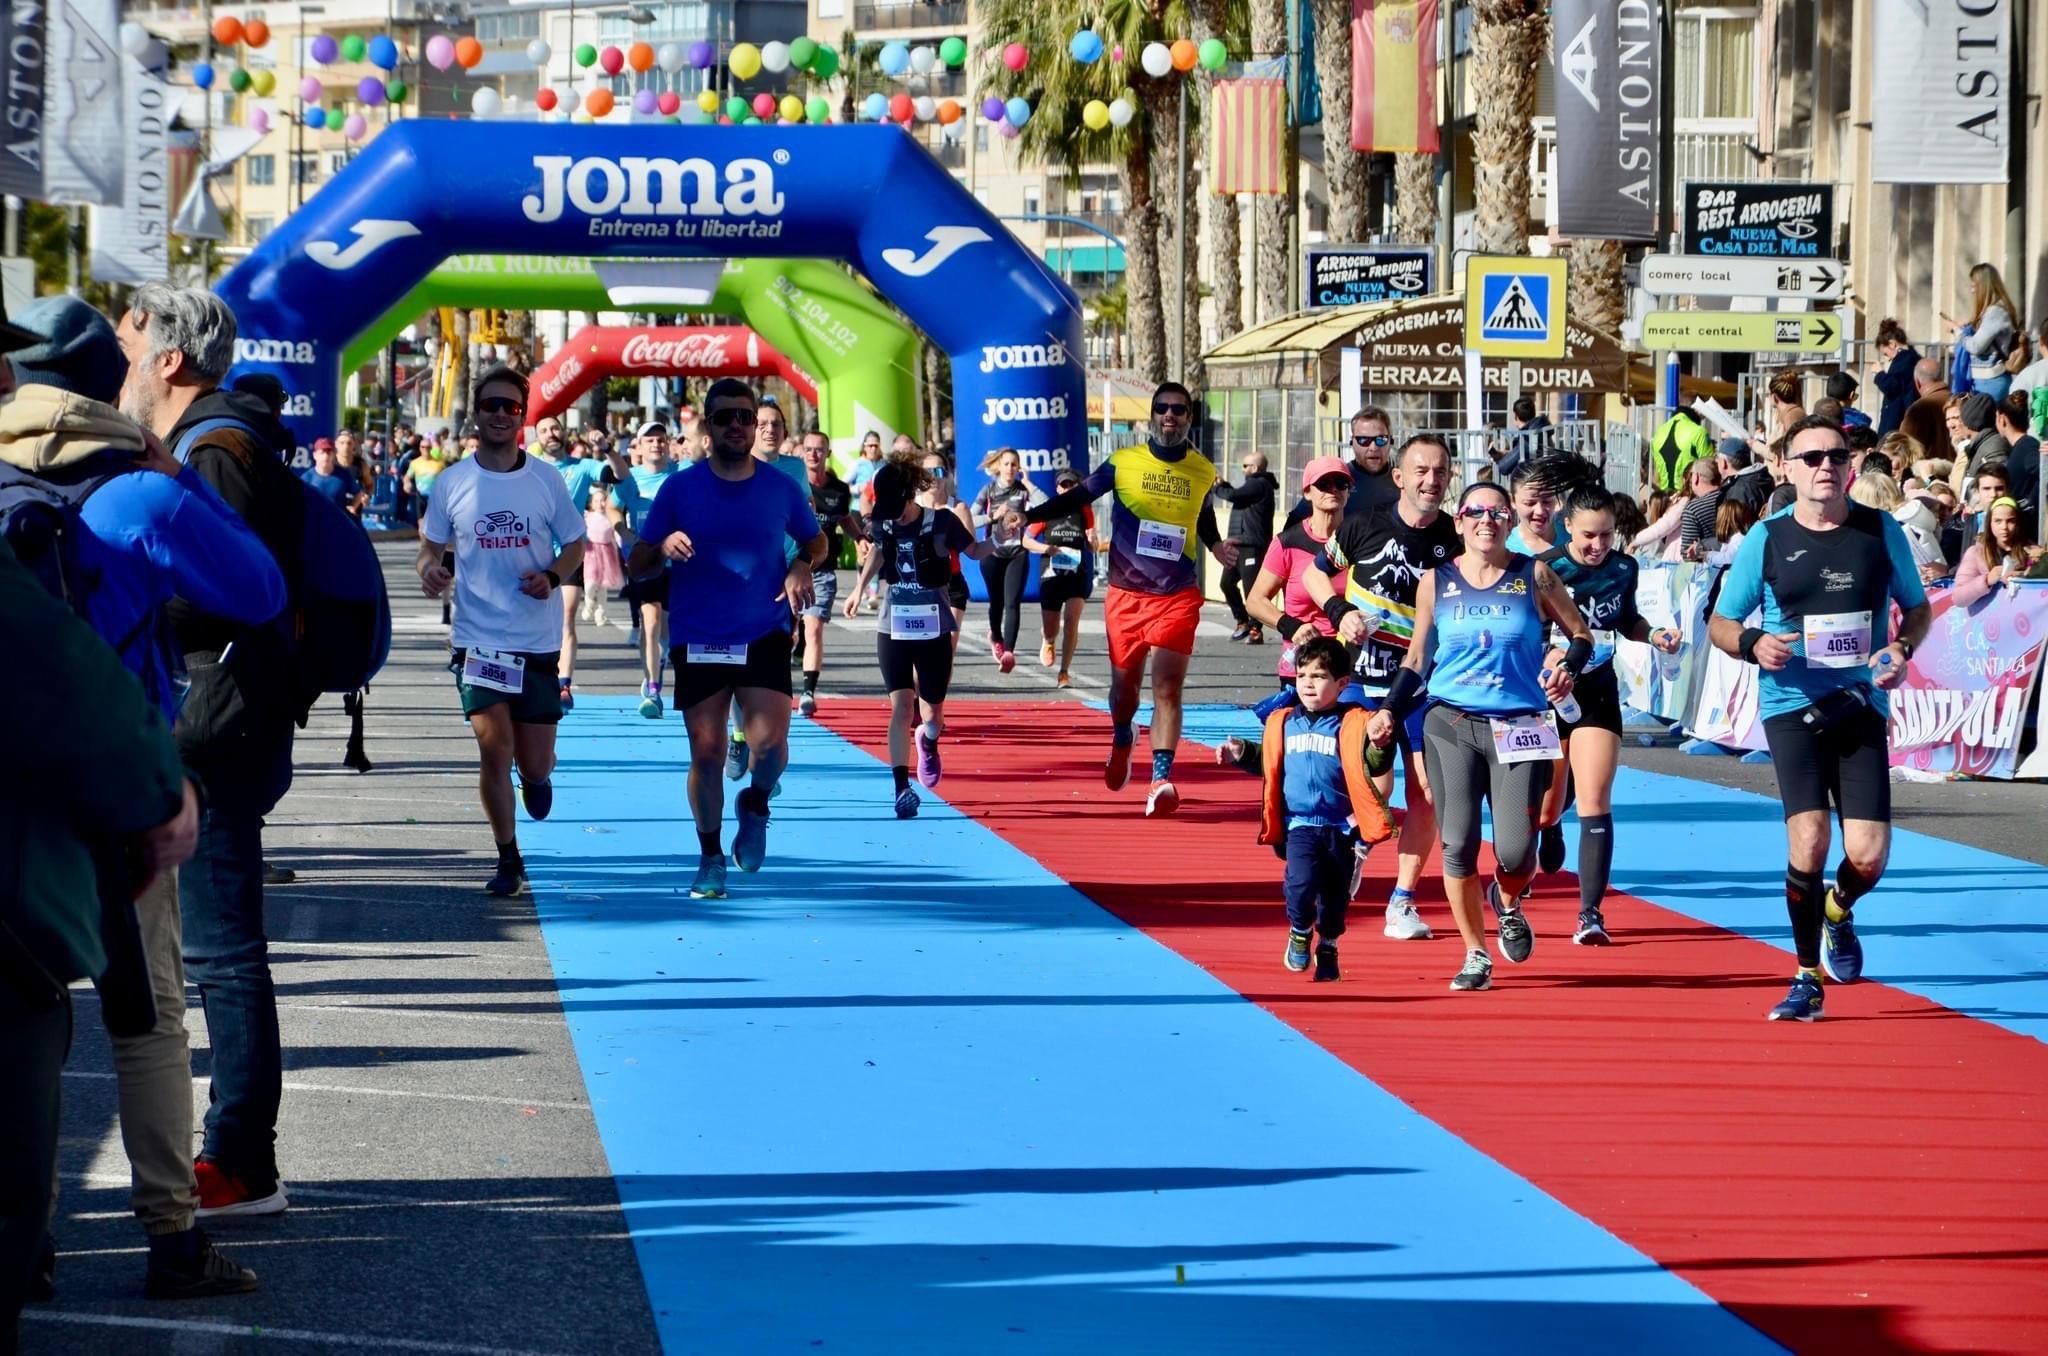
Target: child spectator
<point x="1320" y="801"/>
<point x="602" y="570"/>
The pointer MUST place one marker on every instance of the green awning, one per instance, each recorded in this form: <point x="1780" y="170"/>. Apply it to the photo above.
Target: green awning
<point x="1103" y="258"/>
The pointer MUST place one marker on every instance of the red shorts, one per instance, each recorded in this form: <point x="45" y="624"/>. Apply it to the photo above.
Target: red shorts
<point x="1137" y="622"/>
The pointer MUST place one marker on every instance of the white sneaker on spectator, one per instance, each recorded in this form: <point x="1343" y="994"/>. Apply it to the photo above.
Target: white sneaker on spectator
<point x="1404" y="924"/>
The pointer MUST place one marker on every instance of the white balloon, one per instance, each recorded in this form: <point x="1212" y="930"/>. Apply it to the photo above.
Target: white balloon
<point x="916" y="85"/>
<point x="1121" y="112"/>
<point x="669" y="56"/>
<point x="926" y="108"/>
<point x="485" y="103"/>
<point x="538" y="52"/>
<point x="569" y="100"/>
<point x="775" y="57"/>
<point x="954" y="130"/>
<point x="134" y="37"/>
<point x="922" y="59"/>
<point x="1157" y="59"/>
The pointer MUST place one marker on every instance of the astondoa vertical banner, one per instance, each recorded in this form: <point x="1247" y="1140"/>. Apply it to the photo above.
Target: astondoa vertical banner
<point x="1943" y="111"/>
<point x="82" y="152"/>
<point x="24" y="34"/>
<point x="131" y="243"/>
<point x="1608" y="92"/>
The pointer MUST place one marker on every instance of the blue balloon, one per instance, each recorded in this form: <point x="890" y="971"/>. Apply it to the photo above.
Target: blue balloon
<point x="895" y="58"/>
<point x="1086" y="47"/>
<point x="316" y="117"/>
<point x="384" y="53"/>
<point x="1018" y="112"/>
<point x="875" y="107"/>
<point x="202" y="75"/>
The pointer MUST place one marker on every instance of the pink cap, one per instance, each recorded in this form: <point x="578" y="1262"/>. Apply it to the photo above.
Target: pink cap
<point x="1324" y="466"/>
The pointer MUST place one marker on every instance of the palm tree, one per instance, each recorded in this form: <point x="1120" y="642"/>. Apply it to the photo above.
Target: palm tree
<point x="1415" y="197"/>
<point x="1509" y="39"/>
<point x="860" y="73"/>
<point x="1597" y="294"/>
<point x="1225" y="19"/>
<point x="1343" y="168"/>
<point x="1272" y="214"/>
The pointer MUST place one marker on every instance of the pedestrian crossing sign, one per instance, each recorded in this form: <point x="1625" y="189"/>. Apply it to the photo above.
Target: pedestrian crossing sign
<point x="1514" y="306"/>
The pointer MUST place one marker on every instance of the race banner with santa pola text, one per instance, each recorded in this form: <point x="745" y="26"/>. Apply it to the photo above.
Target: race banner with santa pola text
<point x="1608" y="91"/>
<point x="1968" y="689"/>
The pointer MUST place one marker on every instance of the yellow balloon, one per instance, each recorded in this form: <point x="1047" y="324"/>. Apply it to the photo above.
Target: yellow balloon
<point x="579" y="116"/>
<point x="263" y="82"/>
<point x="1095" y="114"/>
<point x="745" y="60"/>
<point x="707" y="100"/>
<point x="792" y="108"/>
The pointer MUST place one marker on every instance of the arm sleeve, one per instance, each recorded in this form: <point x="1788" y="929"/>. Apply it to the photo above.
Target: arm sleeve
<point x="1242" y="496"/>
<point x="1099" y="482"/>
<point x="1088" y="520"/>
<point x="1893" y="383"/>
<point x="1907" y="590"/>
<point x="1992" y="326"/>
<point x="1206" y="530"/>
<point x="627" y="494"/>
<point x="1742" y="588"/>
<point x="979" y="509"/>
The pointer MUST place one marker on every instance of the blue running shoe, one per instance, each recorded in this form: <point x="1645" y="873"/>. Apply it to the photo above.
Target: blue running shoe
<point x="1296" y="958"/>
<point x="710" y="881"/>
<point x="735" y="759"/>
<point x="750" y="843"/>
<point x="539" y="797"/>
<point x="1802" y="1003"/>
<point x="1841" y="951"/>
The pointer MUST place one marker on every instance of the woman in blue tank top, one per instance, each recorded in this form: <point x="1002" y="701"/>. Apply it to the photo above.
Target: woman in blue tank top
<point x="1490" y="735"/>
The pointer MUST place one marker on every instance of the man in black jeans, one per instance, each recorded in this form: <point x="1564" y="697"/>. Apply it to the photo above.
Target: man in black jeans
<point x="234" y="731"/>
<point x="1251" y="527"/>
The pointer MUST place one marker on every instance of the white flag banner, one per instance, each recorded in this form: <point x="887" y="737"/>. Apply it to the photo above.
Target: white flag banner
<point x="1945" y="116"/>
<point x="82" y="136"/>
<point x="131" y="243"/>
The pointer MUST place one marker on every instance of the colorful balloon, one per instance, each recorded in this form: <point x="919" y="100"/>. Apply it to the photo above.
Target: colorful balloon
<point x="255" y="33"/>
<point x="922" y="59"/>
<point x="586" y="55"/>
<point x="1086" y="47"/>
<point x="1156" y="59"/>
<point x="802" y="52"/>
<point x="819" y="110"/>
<point x="949" y="112"/>
<point x="227" y="30"/>
<point x="895" y="58"/>
<point x="775" y="57"/>
<point x="668" y="102"/>
<point x="598" y="103"/>
<point x="383" y="53"/>
<point x="901" y="109"/>
<point x="202" y="75"/>
<point x="355" y="127"/>
<point x="265" y="83"/>
<point x="953" y="51"/>
<point x="707" y="100"/>
<point x="992" y="108"/>
<point x="370" y="90"/>
<point x="640" y="57"/>
<point x="1213" y="54"/>
<point x="875" y="107"/>
<point x="310" y="89"/>
<point x="324" y="49"/>
<point x="571" y="101"/>
<point x="669" y="56"/>
<point x="611" y="60"/>
<point x="259" y="120"/>
<point x="744" y="60"/>
<point x="791" y="108"/>
<point x="468" y="52"/>
<point x="1095" y="115"/>
<point x="1016" y="56"/>
<point x="1185" y="55"/>
<point x="825" y="64"/>
<point x="545" y="99"/>
<point x="353" y="48"/>
<point x="539" y="53"/>
<point x="1009" y="129"/>
<point x="238" y="80"/>
<point x="440" y="52"/>
<point x="701" y="55"/>
<point x="643" y="102"/>
<point x="764" y="105"/>
<point x="485" y="103"/>
<point x="1018" y="112"/>
<point x="315" y="117"/>
<point x="1121" y="111"/>
<point x="736" y="109"/>
<point x="395" y="91"/>
<point x="925" y="107"/>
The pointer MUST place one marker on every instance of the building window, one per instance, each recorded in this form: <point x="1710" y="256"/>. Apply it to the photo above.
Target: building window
<point x="262" y="170"/>
<point x="306" y="168"/>
<point x="336" y="162"/>
<point x="981" y="195"/>
<point x="516" y="26"/>
<point x="1716" y="63"/>
<point x="1031" y="207"/>
<point x="254" y="229"/>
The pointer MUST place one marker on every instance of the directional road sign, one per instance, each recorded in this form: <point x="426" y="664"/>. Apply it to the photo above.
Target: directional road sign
<point x="1514" y="306"/>
<point x="1741" y="331"/>
<point x="1708" y="275"/>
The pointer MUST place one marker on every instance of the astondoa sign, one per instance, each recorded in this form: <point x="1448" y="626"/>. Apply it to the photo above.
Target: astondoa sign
<point x="1420" y="346"/>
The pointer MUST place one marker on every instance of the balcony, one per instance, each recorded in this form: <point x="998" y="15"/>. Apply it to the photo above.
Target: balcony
<point x="910" y="14"/>
<point x="951" y="154"/>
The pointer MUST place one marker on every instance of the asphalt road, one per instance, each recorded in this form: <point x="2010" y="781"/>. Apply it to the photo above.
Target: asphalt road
<point x="449" y="1190"/>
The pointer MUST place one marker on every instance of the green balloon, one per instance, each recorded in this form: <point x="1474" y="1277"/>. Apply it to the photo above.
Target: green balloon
<point x="1213" y="55"/>
<point x="802" y="52"/>
<point x="751" y="121"/>
<point x="953" y="51"/>
<point x="825" y="64"/>
<point x="586" y="55"/>
<point x="819" y="110"/>
<point x="738" y="109"/>
<point x="238" y="80"/>
<point x="395" y="91"/>
<point x="353" y="48"/>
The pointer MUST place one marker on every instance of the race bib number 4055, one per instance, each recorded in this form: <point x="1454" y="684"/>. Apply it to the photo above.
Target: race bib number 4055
<point x="1838" y="640"/>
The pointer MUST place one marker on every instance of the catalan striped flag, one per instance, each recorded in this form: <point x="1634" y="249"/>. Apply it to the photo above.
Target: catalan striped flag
<point x="1393" y="75"/>
<point x="1247" y="137"/>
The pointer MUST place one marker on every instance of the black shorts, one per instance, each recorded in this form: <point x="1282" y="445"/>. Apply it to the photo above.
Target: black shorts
<point x="766" y="666"/>
<point x="641" y="592"/>
<point x="1054" y="590"/>
<point x="1847" y="763"/>
<point x="926" y="665"/>
<point x="956" y="592"/>
<point x="1599" y="697"/>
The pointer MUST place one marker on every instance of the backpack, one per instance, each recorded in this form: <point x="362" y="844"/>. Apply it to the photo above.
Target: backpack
<point x="337" y="620"/>
<point x="42" y="523"/>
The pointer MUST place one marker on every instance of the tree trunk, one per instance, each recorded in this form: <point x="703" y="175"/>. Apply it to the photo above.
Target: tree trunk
<point x="1343" y="168"/>
<point x="1222" y="241"/>
<point x="1598" y="295"/>
<point x="1272" y="215"/>
<point x="1509" y="38"/>
<point x="458" y="377"/>
<point x="1146" y="318"/>
<point x="1415" y="199"/>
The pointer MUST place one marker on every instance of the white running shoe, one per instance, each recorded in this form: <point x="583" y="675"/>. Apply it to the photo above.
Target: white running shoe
<point x="1404" y="923"/>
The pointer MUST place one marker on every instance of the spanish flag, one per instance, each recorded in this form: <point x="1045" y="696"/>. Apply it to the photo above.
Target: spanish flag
<point x="1393" y="75"/>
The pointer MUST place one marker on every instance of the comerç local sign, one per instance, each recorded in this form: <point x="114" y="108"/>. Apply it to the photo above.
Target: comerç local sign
<point x="1420" y="346"/>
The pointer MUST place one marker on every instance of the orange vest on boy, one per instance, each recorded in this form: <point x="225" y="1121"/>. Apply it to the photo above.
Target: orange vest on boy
<point x="1368" y="810"/>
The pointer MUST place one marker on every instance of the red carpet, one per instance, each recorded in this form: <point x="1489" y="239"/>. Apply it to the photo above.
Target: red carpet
<point x="1875" y="1182"/>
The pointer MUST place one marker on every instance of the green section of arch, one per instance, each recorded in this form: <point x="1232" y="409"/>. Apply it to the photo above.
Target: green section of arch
<point x="862" y="355"/>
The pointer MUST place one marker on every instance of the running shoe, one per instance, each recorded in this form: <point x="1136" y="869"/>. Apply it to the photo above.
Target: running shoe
<point x="1116" y="773"/>
<point x="735" y="759"/>
<point x="1256" y="636"/>
<point x="750" y="841"/>
<point x="1511" y="928"/>
<point x="538" y="797"/>
<point x="568" y="698"/>
<point x="1066" y="680"/>
<point x="1404" y="922"/>
<point x="1592" y="930"/>
<point x="1802" y="1002"/>
<point x="1476" y="974"/>
<point x="710" y="879"/>
<point x="221" y="1193"/>
<point x="1243" y="629"/>
<point x="906" y="803"/>
<point x="808" y="704"/>
<point x="1164" y="799"/>
<point x="995" y="649"/>
<point x="508" y="882"/>
<point x="186" y="1265"/>
<point x="1550" y="850"/>
<point x="1326" y="963"/>
<point x="1841" y="951"/>
<point x="1006" y="660"/>
<point x="929" y="769"/>
<point x="1045" y="654"/>
<point x="1296" y="956"/>
<point x="650" y="701"/>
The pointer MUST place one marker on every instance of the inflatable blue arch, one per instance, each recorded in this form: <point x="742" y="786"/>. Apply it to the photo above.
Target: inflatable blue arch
<point x="867" y="195"/>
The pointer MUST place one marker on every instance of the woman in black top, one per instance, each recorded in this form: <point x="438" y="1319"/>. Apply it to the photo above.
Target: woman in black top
<point x="1068" y="545"/>
<point x="1007" y="568"/>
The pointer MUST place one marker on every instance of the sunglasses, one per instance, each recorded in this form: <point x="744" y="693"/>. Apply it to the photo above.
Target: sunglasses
<point x="1169" y="407"/>
<point x="1333" y="485"/>
<point x="1834" y="456"/>
<point x="500" y="405"/>
<point x="724" y="417"/>
<point x="1378" y="440"/>
<point x="1472" y="513"/>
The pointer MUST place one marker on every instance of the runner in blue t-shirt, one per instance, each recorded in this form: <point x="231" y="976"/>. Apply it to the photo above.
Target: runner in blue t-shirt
<point x="1824" y="574"/>
<point x="579" y="474"/>
<point x="721" y="525"/>
<point x="647" y="598"/>
<point x="329" y="479"/>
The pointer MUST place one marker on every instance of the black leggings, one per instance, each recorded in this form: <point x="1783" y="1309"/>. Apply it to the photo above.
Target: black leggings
<point x="925" y="666"/>
<point x="1005" y="577"/>
<point x="1236" y="581"/>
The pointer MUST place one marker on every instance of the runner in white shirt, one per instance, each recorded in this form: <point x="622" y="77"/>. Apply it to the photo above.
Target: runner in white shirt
<point x="503" y="511"/>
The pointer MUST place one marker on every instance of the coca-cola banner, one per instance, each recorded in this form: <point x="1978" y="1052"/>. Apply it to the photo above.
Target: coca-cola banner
<point x="601" y="351"/>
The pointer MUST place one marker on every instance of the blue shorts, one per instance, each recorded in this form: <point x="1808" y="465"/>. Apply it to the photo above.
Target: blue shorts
<point x="825" y="586"/>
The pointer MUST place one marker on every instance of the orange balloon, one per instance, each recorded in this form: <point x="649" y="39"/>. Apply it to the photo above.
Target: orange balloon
<point x="227" y="30"/>
<point x="1186" y="56"/>
<point x="256" y="33"/>
<point x="468" y="52"/>
<point x="598" y="102"/>
<point x="640" y="57"/>
<point x="949" y="111"/>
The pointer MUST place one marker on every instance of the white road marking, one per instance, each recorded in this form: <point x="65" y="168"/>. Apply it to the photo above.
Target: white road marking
<point x="387" y="1092"/>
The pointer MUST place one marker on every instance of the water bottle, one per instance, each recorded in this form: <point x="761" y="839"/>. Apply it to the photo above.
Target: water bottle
<point x="1567" y="706"/>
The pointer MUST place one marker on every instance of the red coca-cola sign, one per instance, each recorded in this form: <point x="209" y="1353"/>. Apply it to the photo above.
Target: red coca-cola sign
<point x="556" y="382"/>
<point x="703" y="351"/>
<point x="597" y="352"/>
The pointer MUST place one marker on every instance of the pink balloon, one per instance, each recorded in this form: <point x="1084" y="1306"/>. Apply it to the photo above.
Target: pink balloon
<point x="1117" y="54"/>
<point x="259" y="120"/>
<point x="440" y="52"/>
<point x="668" y="101"/>
<point x="1016" y="57"/>
<point x="310" y="89"/>
<point x="355" y="127"/>
<point x="612" y="59"/>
